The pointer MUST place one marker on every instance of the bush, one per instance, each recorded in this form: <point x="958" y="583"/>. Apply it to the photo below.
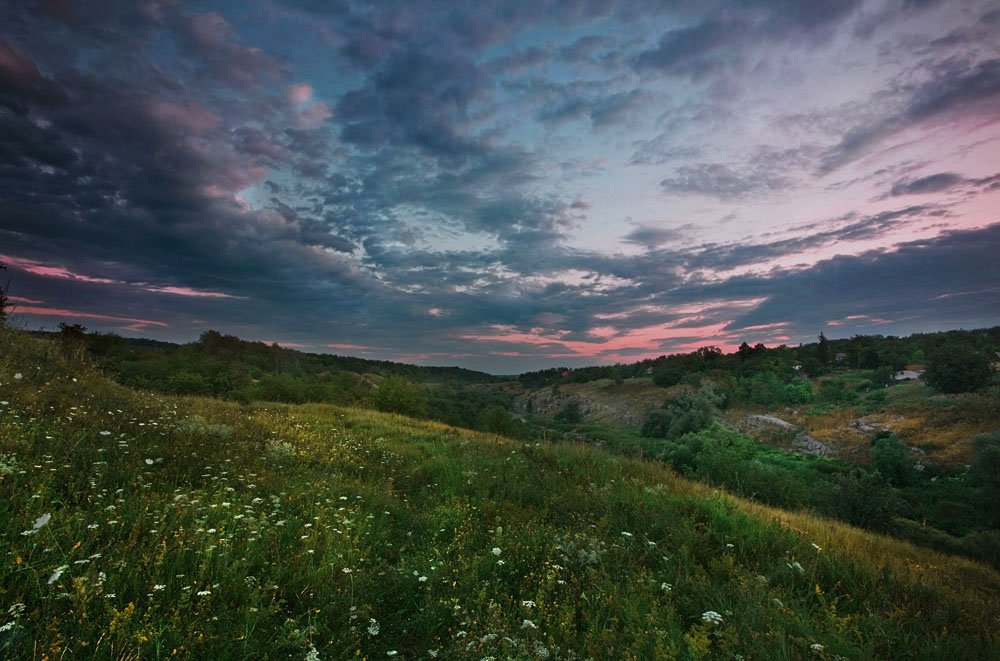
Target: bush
<point x="686" y="412"/>
<point x="570" y="413"/>
<point x="397" y="395"/>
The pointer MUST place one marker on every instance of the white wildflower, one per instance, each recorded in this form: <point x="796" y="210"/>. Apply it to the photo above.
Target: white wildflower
<point x="105" y="433"/>
<point x="7" y="627"/>
<point x="816" y="647"/>
<point x="204" y="593"/>
<point x="496" y="550"/>
<point x="528" y="624"/>
<point x="149" y="462"/>
<point x="158" y="587"/>
<point x="666" y="587"/>
<point x="528" y="603"/>
<point x="373" y="627"/>
<point x="57" y="573"/>
<point x="711" y="617"/>
<point x="312" y="654"/>
<point x="422" y="579"/>
<point x="18" y="376"/>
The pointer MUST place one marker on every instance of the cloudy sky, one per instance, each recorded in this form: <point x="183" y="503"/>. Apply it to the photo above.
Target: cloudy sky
<point x="503" y="185"/>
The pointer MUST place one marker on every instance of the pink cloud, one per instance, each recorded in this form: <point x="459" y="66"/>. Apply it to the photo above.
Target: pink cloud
<point x="350" y="347"/>
<point x="188" y="291"/>
<point x="314" y="115"/>
<point x="187" y="117"/>
<point x="209" y="30"/>
<point x="132" y="324"/>
<point x="63" y="273"/>
<point x="299" y="93"/>
<point x="50" y="271"/>
<point x="22" y="299"/>
<point x="652" y="339"/>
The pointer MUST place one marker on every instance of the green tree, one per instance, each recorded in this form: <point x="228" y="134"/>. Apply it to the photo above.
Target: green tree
<point x="395" y="394"/>
<point x="958" y="367"/>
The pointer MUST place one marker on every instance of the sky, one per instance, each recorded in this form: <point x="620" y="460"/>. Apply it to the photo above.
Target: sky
<point x="505" y="185"/>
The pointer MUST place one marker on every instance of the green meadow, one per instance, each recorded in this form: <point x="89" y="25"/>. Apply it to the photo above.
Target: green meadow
<point x="145" y="526"/>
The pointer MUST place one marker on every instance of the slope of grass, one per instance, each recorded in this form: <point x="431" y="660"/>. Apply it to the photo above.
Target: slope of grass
<point x="141" y="526"/>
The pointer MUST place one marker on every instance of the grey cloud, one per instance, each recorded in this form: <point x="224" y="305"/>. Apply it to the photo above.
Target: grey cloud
<point x="652" y="237"/>
<point x="913" y="284"/>
<point x="692" y="50"/>
<point x="932" y="183"/>
<point x="660" y="150"/>
<point x="769" y="169"/>
<point x="415" y="98"/>
<point x="957" y="89"/>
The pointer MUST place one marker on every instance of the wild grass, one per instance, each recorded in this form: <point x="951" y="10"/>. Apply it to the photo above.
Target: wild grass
<point x="143" y="526"/>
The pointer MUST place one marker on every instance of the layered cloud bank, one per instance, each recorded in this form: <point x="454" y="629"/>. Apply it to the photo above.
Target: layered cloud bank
<point x="506" y="187"/>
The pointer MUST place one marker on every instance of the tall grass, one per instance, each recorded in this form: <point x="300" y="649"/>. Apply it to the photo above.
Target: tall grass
<point x="140" y="526"/>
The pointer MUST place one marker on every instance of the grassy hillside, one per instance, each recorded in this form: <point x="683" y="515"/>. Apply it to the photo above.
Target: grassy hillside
<point x="144" y="526"/>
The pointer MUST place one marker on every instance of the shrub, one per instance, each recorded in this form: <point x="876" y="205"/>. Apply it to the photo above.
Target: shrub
<point x="569" y="412"/>
<point x="686" y="412"/>
<point x="397" y="395"/>
<point x="864" y="500"/>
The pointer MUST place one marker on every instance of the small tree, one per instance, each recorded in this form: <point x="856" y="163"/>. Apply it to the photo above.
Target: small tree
<point x="823" y="350"/>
